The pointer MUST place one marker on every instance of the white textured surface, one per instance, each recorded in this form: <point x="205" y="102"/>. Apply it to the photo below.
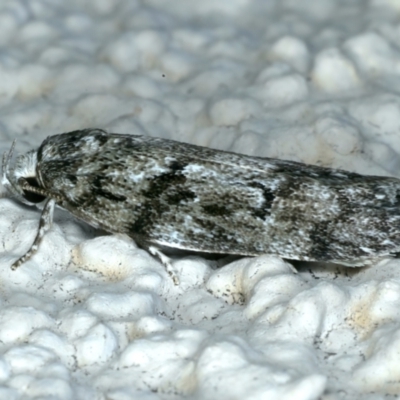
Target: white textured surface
<point x="94" y="317"/>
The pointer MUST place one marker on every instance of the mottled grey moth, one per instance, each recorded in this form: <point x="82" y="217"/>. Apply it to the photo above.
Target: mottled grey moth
<point x="170" y="195"/>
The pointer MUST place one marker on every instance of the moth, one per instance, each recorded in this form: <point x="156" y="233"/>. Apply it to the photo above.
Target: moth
<point x="170" y="195"/>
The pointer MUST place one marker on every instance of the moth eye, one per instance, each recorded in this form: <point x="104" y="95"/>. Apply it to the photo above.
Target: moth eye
<point x="33" y="197"/>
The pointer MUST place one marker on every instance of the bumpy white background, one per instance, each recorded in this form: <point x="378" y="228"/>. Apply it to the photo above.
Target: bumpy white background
<point x="93" y="316"/>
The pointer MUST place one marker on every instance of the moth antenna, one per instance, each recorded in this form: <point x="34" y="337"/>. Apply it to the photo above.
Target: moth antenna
<point x="7" y="156"/>
<point x="7" y="180"/>
<point x="46" y="220"/>
<point x="37" y="190"/>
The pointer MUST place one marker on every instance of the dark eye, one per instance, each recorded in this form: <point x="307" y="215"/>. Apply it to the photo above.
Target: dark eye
<point x="33" y="197"/>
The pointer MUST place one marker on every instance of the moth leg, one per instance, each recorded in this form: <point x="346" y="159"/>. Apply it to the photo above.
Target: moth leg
<point x="292" y="268"/>
<point x="45" y="223"/>
<point x="166" y="261"/>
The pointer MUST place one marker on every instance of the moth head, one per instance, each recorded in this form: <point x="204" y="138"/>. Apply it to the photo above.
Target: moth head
<point x="21" y="179"/>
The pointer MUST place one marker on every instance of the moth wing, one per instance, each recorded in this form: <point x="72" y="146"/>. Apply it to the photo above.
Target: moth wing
<point x="189" y="197"/>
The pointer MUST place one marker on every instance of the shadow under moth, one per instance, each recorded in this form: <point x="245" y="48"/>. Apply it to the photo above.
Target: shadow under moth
<point x="170" y="195"/>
